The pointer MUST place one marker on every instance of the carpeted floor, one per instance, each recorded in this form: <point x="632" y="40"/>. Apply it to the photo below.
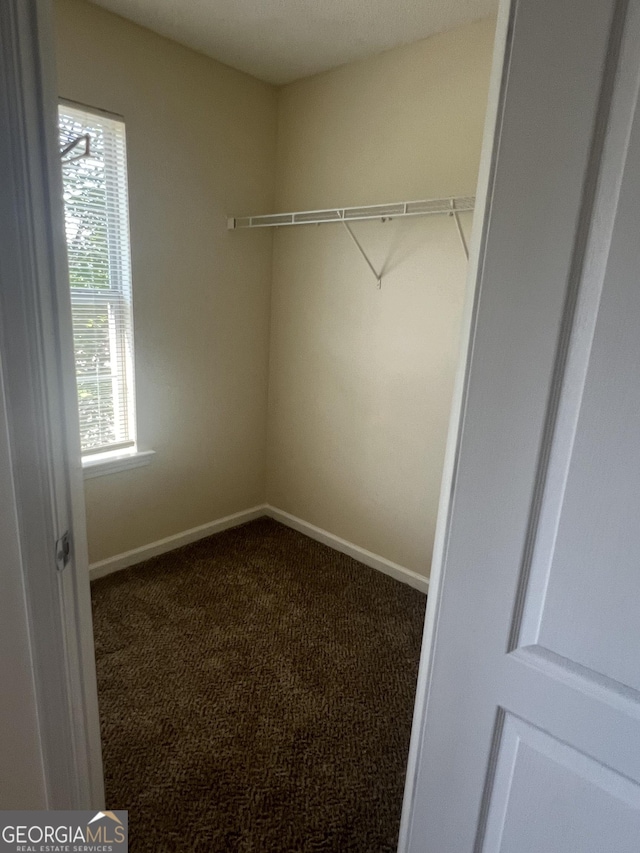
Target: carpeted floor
<point x="256" y="693"/>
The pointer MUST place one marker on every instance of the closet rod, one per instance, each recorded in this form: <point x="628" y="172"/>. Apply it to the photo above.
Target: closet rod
<point x="426" y="207"/>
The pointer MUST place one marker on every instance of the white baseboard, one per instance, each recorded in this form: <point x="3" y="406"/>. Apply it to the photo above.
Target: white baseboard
<point x="138" y="555"/>
<point x="374" y="561"/>
<point x="169" y="543"/>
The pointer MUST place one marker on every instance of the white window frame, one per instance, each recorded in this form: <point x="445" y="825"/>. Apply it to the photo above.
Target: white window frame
<point x="118" y="456"/>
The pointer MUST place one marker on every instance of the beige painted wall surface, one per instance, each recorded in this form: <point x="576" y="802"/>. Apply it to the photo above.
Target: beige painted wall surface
<point x="361" y="379"/>
<point x="201" y="146"/>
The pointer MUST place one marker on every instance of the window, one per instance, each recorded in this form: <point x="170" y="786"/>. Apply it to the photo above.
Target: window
<point x="97" y="231"/>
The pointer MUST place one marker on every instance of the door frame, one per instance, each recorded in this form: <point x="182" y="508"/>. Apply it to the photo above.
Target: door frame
<point x="46" y="460"/>
<point x="37" y="374"/>
<point x="481" y="220"/>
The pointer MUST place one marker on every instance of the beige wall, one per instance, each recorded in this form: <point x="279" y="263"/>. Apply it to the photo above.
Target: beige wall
<point x="201" y="145"/>
<point x="361" y="379"/>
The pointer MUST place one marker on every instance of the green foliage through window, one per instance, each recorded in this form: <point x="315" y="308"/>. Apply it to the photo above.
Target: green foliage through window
<point x="96" y="224"/>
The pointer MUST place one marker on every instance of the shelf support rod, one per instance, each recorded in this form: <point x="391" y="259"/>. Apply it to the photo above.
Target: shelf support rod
<point x="362" y="252"/>
<point x="463" y="240"/>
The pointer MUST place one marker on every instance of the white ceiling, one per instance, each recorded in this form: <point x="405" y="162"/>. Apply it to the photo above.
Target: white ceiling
<point x="284" y="40"/>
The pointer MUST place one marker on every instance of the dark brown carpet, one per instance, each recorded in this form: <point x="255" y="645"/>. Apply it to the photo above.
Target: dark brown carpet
<point x="256" y="693"/>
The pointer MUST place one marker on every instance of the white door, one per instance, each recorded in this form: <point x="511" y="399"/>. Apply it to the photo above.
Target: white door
<point x="527" y="731"/>
<point x="48" y="705"/>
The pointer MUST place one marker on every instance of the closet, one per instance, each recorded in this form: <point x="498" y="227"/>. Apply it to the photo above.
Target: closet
<point x="292" y="304"/>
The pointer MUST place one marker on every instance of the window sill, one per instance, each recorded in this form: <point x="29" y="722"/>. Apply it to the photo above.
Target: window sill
<point x="108" y="463"/>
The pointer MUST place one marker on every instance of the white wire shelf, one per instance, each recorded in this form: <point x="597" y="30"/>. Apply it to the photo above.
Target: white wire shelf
<point x="426" y="207"/>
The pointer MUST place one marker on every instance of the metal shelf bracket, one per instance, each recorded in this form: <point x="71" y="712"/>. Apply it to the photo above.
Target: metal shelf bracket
<point x="378" y="276"/>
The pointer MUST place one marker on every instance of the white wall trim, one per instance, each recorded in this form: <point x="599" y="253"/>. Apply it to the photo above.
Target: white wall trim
<point x="103" y="464"/>
<point x="374" y="561"/>
<point x="170" y="543"/>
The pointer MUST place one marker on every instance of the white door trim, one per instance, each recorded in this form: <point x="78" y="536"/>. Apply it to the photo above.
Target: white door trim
<point x="37" y="373"/>
<point x="490" y="146"/>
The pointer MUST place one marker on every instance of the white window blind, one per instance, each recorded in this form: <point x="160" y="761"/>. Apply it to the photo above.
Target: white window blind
<point x="97" y="230"/>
